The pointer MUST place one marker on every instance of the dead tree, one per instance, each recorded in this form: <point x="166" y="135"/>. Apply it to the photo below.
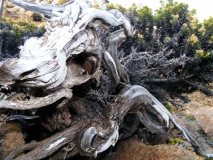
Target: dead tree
<point x="1" y="8"/>
<point x="81" y="82"/>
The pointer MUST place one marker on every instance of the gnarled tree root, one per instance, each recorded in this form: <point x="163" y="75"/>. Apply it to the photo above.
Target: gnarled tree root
<point x="37" y="102"/>
<point x="89" y="137"/>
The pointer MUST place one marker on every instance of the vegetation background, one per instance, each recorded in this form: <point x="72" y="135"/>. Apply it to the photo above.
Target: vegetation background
<point x="171" y="51"/>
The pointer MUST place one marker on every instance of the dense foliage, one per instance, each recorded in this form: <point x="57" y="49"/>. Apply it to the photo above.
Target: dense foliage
<point x="15" y="33"/>
<point x="170" y="52"/>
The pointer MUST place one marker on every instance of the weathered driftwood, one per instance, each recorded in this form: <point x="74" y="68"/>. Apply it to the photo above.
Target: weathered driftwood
<point x="1" y="8"/>
<point x="70" y="55"/>
<point x="89" y="136"/>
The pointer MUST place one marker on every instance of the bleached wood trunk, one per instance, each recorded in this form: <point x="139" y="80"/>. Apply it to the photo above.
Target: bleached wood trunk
<point x="1" y="8"/>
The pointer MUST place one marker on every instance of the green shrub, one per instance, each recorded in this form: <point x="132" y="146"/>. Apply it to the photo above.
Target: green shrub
<point x="190" y="118"/>
<point x="15" y="33"/>
<point x="179" y="142"/>
<point x="178" y="50"/>
<point x="37" y="17"/>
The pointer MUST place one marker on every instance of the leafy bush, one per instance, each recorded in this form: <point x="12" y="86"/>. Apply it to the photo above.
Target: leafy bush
<point x="15" y="33"/>
<point x="37" y="17"/>
<point x="8" y="41"/>
<point x="170" y="52"/>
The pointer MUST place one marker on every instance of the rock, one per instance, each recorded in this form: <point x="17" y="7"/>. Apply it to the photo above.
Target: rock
<point x="11" y="137"/>
<point x="204" y="117"/>
<point x="197" y="116"/>
<point x="201" y="107"/>
<point x="134" y="149"/>
<point x="197" y="100"/>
